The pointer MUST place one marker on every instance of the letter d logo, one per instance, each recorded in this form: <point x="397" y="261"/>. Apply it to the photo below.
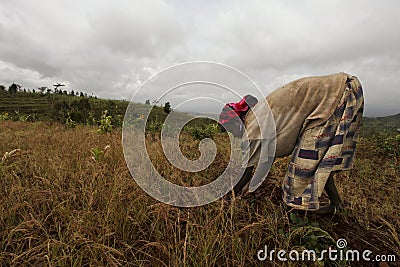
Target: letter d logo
<point x="262" y="251"/>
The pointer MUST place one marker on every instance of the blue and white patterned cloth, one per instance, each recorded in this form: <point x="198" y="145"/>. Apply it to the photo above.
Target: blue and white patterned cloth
<point x="324" y="149"/>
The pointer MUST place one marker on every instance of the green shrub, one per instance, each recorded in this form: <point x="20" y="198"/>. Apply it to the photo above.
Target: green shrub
<point x="98" y="154"/>
<point x="307" y="235"/>
<point x="4" y="116"/>
<point x="201" y="132"/>
<point x="24" y="117"/>
<point x="154" y="125"/>
<point x="69" y="123"/>
<point x="105" y="123"/>
<point x="118" y="120"/>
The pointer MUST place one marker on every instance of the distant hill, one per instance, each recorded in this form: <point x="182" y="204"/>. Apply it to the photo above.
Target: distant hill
<point x="79" y="108"/>
<point x="389" y="124"/>
<point x="59" y="106"/>
<point x="88" y="109"/>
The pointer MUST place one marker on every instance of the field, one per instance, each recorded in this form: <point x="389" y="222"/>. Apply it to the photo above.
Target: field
<point x="67" y="199"/>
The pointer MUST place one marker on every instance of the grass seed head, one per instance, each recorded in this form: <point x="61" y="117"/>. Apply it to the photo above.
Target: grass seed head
<point x="10" y="154"/>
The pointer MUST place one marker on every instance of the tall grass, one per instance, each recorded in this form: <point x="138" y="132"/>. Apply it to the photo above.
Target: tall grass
<point x="59" y="207"/>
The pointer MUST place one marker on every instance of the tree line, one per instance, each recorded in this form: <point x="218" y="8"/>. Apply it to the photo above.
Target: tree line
<point x="14" y="88"/>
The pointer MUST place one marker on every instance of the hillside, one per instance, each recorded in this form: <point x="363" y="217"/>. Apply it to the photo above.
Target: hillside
<point x="388" y="124"/>
<point x="84" y="109"/>
<point x="57" y="107"/>
<point x="80" y="109"/>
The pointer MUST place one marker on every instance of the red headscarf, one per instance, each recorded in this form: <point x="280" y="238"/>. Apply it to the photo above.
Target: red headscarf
<point x="237" y="110"/>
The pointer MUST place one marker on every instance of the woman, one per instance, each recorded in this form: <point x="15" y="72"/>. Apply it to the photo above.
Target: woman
<point x="317" y="122"/>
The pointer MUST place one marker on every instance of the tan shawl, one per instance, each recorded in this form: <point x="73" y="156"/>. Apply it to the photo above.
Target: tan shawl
<point x="296" y="107"/>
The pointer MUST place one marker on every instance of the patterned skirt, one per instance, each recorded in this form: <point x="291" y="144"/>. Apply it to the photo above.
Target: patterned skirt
<point x="324" y="149"/>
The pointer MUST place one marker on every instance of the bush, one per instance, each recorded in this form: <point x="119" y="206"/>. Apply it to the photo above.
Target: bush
<point x="105" y="123"/>
<point x="4" y="116"/>
<point x="201" y="132"/>
<point x="118" y="120"/>
<point x="69" y="123"/>
<point x="154" y="125"/>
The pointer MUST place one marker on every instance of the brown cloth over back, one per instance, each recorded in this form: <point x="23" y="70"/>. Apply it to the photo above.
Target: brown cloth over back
<point x="296" y="107"/>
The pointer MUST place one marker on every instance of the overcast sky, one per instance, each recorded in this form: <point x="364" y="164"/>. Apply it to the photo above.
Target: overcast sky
<point x="110" y="47"/>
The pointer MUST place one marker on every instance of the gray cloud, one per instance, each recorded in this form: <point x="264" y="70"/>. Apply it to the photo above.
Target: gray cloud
<point x="109" y="48"/>
<point x="142" y="29"/>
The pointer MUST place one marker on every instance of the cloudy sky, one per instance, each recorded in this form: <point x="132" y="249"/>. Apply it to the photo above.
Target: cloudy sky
<point x="109" y="48"/>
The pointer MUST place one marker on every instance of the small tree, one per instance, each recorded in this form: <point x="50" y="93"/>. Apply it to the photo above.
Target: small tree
<point x="42" y="89"/>
<point x="147" y="102"/>
<point x="2" y="88"/>
<point x="167" y="107"/>
<point x="13" y="88"/>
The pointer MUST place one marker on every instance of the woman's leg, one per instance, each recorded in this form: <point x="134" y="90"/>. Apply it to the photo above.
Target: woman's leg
<point x="336" y="202"/>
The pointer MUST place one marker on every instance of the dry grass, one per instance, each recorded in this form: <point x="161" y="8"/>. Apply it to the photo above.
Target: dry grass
<point x="59" y="207"/>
